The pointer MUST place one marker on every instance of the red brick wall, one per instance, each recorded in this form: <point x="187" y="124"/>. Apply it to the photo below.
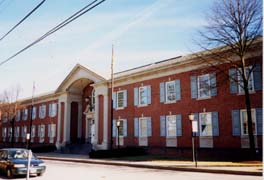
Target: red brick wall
<point x="37" y="121"/>
<point x="223" y="103"/>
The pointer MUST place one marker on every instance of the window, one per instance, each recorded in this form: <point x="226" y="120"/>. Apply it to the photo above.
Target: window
<point x="170" y="91"/>
<point x="24" y="133"/>
<point x="17" y="129"/>
<point x="171" y="126"/>
<point x="33" y="132"/>
<point x="205" y="124"/>
<point x="244" y="121"/>
<point x="24" y="114"/>
<point x="121" y="128"/>
<point x="93" y="100"/>
<point x="52" y="109"/>
<point x="18" y="115"/>
<point x="143" y="95"/>
<point x="34" y="112"/>
<point x="52" y="130"/>
<point x="5" y="119"/>
<point x="4" y="133"/>
<point x="42" y="111"/>
<point x="240" y="80"/>
<point x="143" y="127"/>
<point x="120" y="99"/>
<point x="204" y="86"/>
<point x="10" y="134"/>
<point x="41" y="133"/>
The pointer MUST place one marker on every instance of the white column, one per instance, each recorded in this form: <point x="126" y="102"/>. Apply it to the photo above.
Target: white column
<point x="58" y="131"/>
<point x="96" y="119"/>
<point x="105" y="132"/>
<point x="79" y="119"/>
<point x="67" y="121"/>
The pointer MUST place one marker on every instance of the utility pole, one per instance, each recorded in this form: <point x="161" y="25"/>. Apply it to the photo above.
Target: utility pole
<point x="111" y="96"/>
<point x="31" y="113"/>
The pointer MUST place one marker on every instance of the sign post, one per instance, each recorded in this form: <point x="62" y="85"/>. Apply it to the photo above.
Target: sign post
<point x="28" y="165"/>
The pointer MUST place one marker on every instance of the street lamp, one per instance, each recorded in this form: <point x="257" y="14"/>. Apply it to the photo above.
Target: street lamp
<point x="194" y="131"/>
<point x="118" y="126"/>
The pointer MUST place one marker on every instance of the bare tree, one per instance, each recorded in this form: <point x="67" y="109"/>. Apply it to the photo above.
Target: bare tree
<point x="235" y="26"/>
<point x="9" y="106"/>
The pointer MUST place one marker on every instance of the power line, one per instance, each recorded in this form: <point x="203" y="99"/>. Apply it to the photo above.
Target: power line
<point x="22" y="19"/>
<point x="56" y="28"/>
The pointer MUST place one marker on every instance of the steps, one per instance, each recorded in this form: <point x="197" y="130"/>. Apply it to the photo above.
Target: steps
<point x="78" y="148"/>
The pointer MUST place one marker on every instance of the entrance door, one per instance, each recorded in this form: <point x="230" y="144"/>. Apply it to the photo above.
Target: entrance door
<point x="92" y="131"/>
<point x="74" y="122"/>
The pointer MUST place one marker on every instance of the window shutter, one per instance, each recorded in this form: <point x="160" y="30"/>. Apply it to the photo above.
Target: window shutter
<point x="49" y="130"/>
<point x="135" y="96"/>
<point x="236" y="124"/>
<point x="213" y="84"/>
<point x="178" y="90"/>
<point x="43" y="127"/>
<point x="179" y="125"/>
<point x="196" y="118"/>
<point x="54" y="130"/>
<point x="114" y="128"/>
<point x="50" y="110"/>
<point x="215" y="124"/>
<point x="257" y="77"/>
<point x="149" y="127"/>
<point x="114" y="99"/>
<point x="259" y="120"/>
<point x="136" y="126"/>
<point x="194" y="90"/>
<point x="162" y="92"/>
<point x="163" y="128"/>
<point x="233" y="81"/>
<point x="39" y="127"/>
<point x="125" y="98"/>
<point x="149" y="94"/>
<point x="125" y="127"/>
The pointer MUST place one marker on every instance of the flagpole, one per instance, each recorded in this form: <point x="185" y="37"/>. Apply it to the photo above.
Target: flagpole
<point x="111" y="97"/>
<point x="31" y="113"/>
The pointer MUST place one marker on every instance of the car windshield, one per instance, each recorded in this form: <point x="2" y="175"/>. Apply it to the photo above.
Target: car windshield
<point x="18" y="154"/>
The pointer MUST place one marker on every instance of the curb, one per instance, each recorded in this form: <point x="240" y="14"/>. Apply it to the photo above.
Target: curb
<point x="201" y="170"/>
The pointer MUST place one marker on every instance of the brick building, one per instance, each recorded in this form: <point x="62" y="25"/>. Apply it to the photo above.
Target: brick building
<point x="152" y="104"/>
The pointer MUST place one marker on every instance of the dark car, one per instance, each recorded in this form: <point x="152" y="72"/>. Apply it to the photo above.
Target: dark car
<point x="14" y="161"/>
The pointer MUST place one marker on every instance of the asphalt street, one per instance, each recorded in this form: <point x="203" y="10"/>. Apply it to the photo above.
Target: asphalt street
<point x="69" y="171"/>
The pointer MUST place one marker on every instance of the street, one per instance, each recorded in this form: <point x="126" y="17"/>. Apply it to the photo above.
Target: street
<point x="82" y="171"/>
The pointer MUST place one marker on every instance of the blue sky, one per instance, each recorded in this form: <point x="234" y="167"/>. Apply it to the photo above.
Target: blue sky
<point x="142" y="31"/>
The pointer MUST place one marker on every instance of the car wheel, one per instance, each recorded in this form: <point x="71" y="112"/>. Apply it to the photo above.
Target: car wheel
<point x="40" y="174"/>
<point x="9" y="173"/>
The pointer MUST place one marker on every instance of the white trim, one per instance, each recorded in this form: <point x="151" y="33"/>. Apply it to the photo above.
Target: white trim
<point x="121" y="107"/>
<point x="145" y="89"/>
<point x="167" y="126"/>
<point x="200" y="124"/>
<point x="253" y="113"/>
<point x="166" y="92"/>
<point x="139" y="127"/>
<point x="198" y="86"/>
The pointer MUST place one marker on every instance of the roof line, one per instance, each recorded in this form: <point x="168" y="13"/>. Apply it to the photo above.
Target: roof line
<point x="158" y="62"/>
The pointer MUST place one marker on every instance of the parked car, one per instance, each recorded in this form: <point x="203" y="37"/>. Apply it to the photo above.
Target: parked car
<point x="14" y="161"/>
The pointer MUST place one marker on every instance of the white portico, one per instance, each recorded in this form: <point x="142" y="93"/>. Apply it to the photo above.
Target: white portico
<point x="78" y="118"/>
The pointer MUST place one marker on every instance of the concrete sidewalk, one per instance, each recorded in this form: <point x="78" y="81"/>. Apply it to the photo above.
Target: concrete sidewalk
<point x="241" y="168"/>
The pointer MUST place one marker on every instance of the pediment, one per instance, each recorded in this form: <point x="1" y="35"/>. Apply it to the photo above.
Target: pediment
<point x="79" y="77"/>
